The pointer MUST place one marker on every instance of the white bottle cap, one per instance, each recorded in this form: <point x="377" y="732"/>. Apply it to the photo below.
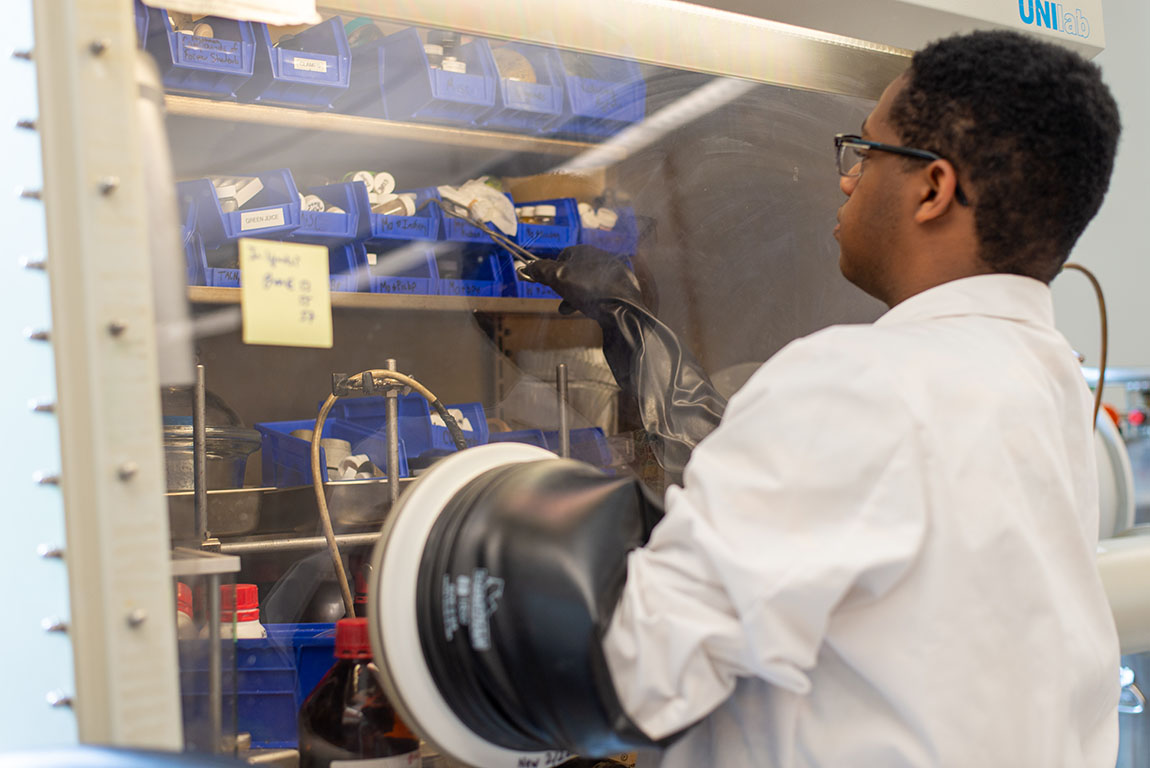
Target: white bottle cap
<point x="384" y="183"/>
<point x="432" y="49"/>
<point x="525" y="211"/>
<point x="335" y="209"/>
<point x="545" y="210"/>
<point x="585" y="208"/>
<point x="408" y="200"/>
<point x="607" y="218"/>
<point x="203" y="29"/>
<point x="313" y="203"/>
<point x="589" y="220"/>
<point x="367" y="178"/>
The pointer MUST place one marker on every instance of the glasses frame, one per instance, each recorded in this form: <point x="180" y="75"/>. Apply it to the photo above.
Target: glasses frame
<point x="850" y="140"/>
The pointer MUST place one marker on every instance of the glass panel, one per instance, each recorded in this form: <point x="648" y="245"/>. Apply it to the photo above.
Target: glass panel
<point x="421" y="161"/>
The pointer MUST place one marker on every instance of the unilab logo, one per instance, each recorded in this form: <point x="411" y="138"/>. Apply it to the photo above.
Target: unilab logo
<point x="1051" y="15"/>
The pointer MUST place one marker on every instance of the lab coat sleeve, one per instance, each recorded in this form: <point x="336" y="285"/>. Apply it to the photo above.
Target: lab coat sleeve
<point x="807" y="495"/>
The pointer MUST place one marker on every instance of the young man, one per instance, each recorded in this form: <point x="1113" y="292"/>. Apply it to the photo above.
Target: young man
<point x="885" y="553"/>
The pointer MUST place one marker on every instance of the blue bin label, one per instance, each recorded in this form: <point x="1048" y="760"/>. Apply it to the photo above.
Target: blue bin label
<point x="210" y="50"/>
<point x="309" y="64"/>
<point x="321" y="222"/>
<point x="397" y="285"/>
<point x="528" y="95"/>
<point x="456" y="288"/>
<point x="226" y="278"/>
<point x="603" y="94"/>
<point x="537" y="234"/>
<point x="412" y="224"/>
<point x="467" y="88"/>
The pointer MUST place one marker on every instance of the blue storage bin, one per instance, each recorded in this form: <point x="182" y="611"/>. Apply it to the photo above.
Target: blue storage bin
<point x="274" y="211"/>
<point x="347" y="267"/>
<point x="413" y="90"/>
<point x="141" y="13"/>
<point x="602" y="95"/>
<point x="458" y="230"/>
<point x="325" y="228"/>
<point x="193" y="246"/>
<point x="529" y="436"/>
<point x="314" y="72"/>
<point x="623" y="239"/>
<point x="424" y="225"/>
<point x="408" y="269"/>
<point x="364" y="94"/>
<point x="525" y="107"/>
<point x="273" y="677"/>
<point x="420" y="429"/>
<point x="470" y="272"/>
<point x="287" y="459"/>
<point x="551" y="238"/>
<point x="516" y="287"/>
<point x="212" y="66"/>
<point x="587" y="445"/>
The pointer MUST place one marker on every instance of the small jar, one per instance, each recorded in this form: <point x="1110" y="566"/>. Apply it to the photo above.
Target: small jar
<point x="434" y="54"/>
<point x="526" y="214"/>
<point x="545" y="215"/>
<point x="240" y="603"/>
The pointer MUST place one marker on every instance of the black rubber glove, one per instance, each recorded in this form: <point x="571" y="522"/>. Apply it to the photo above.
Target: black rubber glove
<point x="677" y="403"/>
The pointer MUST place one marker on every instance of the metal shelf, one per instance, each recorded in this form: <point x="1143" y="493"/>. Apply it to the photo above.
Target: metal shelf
<point x="199" y="294"/>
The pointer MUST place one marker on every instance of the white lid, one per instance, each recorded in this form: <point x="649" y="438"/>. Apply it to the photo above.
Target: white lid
<point x="408" y="204"/>
<point x="585" y="208"/>
<point x="433" y="49"/>
<point x="384" y="183"/>
<point x="525" y="211"/>
<point x="545" y="210"/>
<point x="607" y="218"/>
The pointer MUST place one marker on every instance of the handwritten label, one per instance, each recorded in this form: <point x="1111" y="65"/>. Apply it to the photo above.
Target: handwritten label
<point x="261" y="219"/>
<point x="285" y="294"/>
<point x="309" y="65"/>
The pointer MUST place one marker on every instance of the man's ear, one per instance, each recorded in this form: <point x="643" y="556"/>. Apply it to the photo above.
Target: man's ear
<point x="938" y="184"/>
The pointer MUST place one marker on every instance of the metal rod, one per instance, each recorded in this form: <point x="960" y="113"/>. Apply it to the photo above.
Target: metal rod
<point x="392" y="426"/>
<point x="215" y="664"/>
<point x="295" y="545"/>
<point x="200" y="456"/>
<point x="564" y="427"/>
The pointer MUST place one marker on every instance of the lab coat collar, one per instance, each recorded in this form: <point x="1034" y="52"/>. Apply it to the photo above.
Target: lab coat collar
<point x="1011" y="297"/>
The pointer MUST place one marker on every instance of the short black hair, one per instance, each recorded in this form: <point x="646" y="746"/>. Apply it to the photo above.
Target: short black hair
<point x="1033" y="128"/>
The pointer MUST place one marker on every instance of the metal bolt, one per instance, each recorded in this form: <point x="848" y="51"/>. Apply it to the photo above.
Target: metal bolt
<point x="37" y="334"/>
<point x="29" y="193"/>
<point x="54" y="624"/>
<point x="39" y="406"/>
<point x="137" y="617"/>
<point x="58" y="699"/>
<point x="22" y="55"/>
<point x="116" y="328"/>
<point x="26" y="123"/>
<point x="45" y="478"/>
<point x="108" y="185"/>
<point x="98" y="47"/>
<point x="127" y="470"/>
<point x="30" y="262"/>
<point x="50" y="552"/>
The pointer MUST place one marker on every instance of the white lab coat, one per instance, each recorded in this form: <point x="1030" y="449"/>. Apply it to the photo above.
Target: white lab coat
<point x="885" y="555"/>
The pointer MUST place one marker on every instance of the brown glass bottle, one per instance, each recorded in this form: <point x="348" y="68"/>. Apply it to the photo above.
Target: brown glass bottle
<point x="347" y="720"/>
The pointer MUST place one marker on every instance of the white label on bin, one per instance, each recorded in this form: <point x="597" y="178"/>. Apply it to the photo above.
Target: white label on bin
<point x="372" y="259"/>
<point x="464" y="422"/>
<point x="262" y="218"/>
<point x="310" y="65"/>
<point x="411" y="759"/>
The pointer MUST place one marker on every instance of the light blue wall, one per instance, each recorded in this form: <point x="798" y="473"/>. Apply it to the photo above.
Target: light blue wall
<point x="32" y="663"/>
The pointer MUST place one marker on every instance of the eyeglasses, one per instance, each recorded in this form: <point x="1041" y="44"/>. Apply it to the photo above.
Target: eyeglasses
<point x="851" y="150"/>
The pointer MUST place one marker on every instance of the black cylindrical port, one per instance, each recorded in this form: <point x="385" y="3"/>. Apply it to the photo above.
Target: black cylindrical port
<point x="517" y="584"/>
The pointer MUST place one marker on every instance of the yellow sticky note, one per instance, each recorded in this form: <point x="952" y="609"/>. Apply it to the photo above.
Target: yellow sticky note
<point x="285" y="294"/>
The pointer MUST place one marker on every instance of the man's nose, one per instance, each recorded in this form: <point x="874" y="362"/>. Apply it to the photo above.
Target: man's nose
<point x="847" y="184"/>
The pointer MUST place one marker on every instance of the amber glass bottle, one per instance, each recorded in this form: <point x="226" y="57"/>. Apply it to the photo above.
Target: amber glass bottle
<point x="347" y="721"/>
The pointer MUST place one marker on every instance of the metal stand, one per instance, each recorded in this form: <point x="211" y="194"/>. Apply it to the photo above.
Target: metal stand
<point x="564" y="426"/>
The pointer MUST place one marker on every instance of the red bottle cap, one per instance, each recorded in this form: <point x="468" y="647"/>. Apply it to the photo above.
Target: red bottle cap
<point x="351" y="639"/>
<point x="183" y="598"/>
<point x="242" y="599"/>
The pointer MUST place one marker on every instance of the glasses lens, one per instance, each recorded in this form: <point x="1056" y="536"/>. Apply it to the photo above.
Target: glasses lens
<point x="849" y="159"/>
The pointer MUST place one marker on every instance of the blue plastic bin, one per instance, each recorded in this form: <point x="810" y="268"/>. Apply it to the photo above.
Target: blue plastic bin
<point x="193" y="246"/>
<point x="602" y="95"/>
<point x="550" y="238"/>
<point x="274" y="211"/>
<point x="347" y="267"/>
<point x="202" y="66"/>
<point x="424" y="225"/>
<point x="313" y="72"/>
<point x="524" y="107"/>
<point x="273" y="677"/>
<point x="364" y="94"/>
<point x="412" y="90"/>
<point x="623" y="239"/>
<point x="471" y="272"/>
<point x="141" y="13"/>
<point x="326" y="228"/>
<point x="529" y="436"/>
<point x="587" y="445"/>
<point x="408" y="269"/>
<point x="420" y="429"/>
<point x="287" y="459"/>
<point x="518" y="288"/>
